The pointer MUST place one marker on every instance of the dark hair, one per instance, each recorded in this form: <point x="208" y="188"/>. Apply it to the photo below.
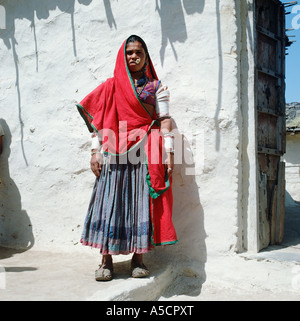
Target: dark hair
<point x="134" y="38"/>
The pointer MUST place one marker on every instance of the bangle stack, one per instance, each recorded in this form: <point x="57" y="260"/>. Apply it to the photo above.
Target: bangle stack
<point x="96" y="147"/>
<point x="95" y="152"/>
<point x="95" y="142"/>
<point x="169" y="142"/>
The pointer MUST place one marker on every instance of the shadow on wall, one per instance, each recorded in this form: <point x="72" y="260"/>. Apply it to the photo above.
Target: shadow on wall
<point x="30" y="10"/>
<point x="15" y="225"/>
<point x="189" y="255"/>
<point x="173" y="30"/>
<point x="16" y="9"/>
<point x="109" y="14"/>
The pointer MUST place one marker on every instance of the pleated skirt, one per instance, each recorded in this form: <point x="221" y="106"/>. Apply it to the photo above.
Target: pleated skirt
<point x="118" y="216"/>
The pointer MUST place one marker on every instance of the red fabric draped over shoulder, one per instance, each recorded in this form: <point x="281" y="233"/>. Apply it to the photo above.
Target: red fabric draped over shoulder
<point x="115" y="111"/>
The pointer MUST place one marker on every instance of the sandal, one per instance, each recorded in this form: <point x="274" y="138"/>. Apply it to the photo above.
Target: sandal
<point x="103" y="274"/>
<point x="139" y="271"/>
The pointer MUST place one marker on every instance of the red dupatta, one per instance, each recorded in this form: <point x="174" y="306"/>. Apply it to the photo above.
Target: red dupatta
<point x="115" y="110"/>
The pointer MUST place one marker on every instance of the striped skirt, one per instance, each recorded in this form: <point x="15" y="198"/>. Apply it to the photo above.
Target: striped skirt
<point x="118" y="217"/>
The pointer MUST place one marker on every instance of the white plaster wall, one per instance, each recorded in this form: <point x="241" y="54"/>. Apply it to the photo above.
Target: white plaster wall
<point x="53" y="54"/>
<point x="292" y="169"/>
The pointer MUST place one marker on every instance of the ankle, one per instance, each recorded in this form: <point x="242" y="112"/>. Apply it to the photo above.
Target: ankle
<point x="107" y="261"/>
<point x="137" y="258"/>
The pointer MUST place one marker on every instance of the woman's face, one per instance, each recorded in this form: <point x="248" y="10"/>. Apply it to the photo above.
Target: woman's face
<point x="135" y="56"/>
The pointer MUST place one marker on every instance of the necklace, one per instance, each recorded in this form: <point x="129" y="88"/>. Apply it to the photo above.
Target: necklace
<point x="145" y="80"/>
<point x="136" y="72"/>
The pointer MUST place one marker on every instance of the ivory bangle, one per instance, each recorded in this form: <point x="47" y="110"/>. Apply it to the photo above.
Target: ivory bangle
<point x="95" y="143"/>
<point x="169" y="143"/>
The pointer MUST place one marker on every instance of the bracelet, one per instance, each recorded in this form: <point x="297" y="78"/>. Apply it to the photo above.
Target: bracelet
<point x="169" y="143"/>
<point x="93" y="153"/>
<point x="95" y="142"/>
<point x="169" y="134"/>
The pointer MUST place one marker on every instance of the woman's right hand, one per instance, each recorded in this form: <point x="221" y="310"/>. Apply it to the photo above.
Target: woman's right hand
<point x="96" y="164"/>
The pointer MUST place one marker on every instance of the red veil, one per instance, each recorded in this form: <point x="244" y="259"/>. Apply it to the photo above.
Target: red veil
<point x="115" y="110"/>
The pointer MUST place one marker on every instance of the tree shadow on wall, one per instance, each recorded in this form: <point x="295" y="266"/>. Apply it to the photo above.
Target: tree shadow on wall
<point x="15" y="225"/>
<point x="109" y="14"/>
<point x="173" y="27"/>
<point x="31" y="10"/>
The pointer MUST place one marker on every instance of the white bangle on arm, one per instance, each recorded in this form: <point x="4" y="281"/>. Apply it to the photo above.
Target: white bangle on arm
<point x="169" y="142"/>
<point x="95" y="142"/>
<point x="162" y="102"/>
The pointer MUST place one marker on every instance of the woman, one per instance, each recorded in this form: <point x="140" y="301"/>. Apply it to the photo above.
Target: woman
<point x="133" y="159"/>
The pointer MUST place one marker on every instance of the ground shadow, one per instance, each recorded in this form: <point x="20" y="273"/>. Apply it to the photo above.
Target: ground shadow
<point x="291" y="237"/>
<point x="291" y="222"/>
<point x="15" y="227"/>
<point x="19" y="269"/>
<point x="6" y="252"/>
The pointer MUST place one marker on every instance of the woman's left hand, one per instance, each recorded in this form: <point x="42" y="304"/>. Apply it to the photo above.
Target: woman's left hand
<point x="170" y="163"/>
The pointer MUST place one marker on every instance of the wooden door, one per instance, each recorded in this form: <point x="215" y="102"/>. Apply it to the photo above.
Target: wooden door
<point x="270" y="113"/>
